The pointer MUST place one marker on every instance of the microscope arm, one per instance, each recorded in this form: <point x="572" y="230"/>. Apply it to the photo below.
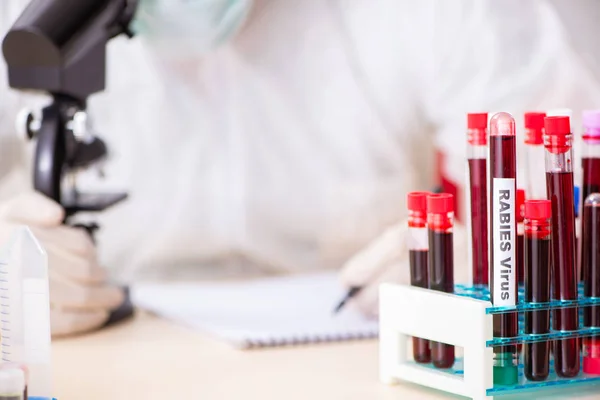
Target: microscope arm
<point x="59" y="47"/>
<point x="49" y="154"/>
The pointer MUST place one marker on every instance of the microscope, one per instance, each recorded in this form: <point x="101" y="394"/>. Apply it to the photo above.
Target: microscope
<point x="59" y="47"/>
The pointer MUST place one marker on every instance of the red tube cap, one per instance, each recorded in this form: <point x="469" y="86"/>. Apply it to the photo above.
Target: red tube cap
<point x="477" y="120"/>
<point x="558" y="125"/>
<point x="591" y="363"/>
<point x="534" y="120"/>
<point x="538" y="209"/>
<point x="520" y="204"/>
<point x="417" y="201"/>
<point x="442" y="203"/>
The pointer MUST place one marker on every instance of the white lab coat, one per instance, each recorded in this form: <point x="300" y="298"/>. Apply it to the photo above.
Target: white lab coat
<point x="294" y="145"/>
<point x="279" y="152"/>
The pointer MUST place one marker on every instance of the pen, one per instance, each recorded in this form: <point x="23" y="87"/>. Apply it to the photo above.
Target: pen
<point x="353" y="291"/>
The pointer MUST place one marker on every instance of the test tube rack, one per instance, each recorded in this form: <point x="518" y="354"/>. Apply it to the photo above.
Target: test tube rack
<point x="463" y="319"/>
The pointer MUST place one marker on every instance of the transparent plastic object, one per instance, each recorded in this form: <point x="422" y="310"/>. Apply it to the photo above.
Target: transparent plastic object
<point x="481" y="293"/>
<point x="523" y="384"/>
<point x="12" y="383"/>
<point x="25" y="310"/>
<point x="522" y="306"/>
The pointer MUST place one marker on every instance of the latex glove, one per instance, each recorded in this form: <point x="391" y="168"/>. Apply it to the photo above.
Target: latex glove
<point x="80" y="297"/>
<point x="386" y="260"/>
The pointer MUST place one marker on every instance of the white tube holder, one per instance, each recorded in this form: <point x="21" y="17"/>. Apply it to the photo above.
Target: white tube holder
<point x="463" y="320"/>
<point x="407" y="311"/>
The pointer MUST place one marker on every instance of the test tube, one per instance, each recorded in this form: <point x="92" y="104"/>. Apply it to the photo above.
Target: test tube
<point x="576" y="197"/>
<point x="591" y="280"/>
<point x="559" y="181"/>
<point x="590" y="151"/>
<point x="520" y="235"/>
<point x="503" y="184"/>
<point x="534" y="154"/>
<point x="12" y="383"/>
<point x="537" y="285"/>
<point x="25" y="310"/>
<point x="440" y="216"/>
<point x="477" y="151"/>
<point x="590" y="155"/>
<point x="417" y="249"/>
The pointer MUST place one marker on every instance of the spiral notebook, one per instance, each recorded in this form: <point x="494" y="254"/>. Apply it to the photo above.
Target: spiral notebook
<point x="260" y="313"/>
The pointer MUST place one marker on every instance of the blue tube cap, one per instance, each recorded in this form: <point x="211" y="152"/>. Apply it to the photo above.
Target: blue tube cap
<point x="40" y="398"/>
<point x="576" y="200"/>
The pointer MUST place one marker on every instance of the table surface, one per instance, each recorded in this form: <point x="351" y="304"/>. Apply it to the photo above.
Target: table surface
<point x="149" y="358"/>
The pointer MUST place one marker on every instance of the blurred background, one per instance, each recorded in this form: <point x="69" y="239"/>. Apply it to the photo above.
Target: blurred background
<point x="282" y="136"/>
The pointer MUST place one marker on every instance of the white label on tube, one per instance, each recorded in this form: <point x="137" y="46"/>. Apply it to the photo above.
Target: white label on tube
<point x="36" y="321"/>
<point x="418" y="239"/>
<point x="504" y="235"/>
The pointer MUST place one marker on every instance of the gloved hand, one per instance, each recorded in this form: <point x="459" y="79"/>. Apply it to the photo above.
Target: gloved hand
<point x="80" y="297"/>
<point x="385" y="259"/>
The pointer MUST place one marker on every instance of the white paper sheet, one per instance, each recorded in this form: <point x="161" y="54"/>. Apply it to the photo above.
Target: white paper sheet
<point x="266" y="312"/>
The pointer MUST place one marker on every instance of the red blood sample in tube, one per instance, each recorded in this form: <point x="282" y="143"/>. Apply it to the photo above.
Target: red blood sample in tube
<point x="418" y="246"/>
<point x="520" y="242"/>
<point x="591" y="153"/>
<point x="503" y="288"/>
<point x="537" y="285"/>
<point x="520" y="234"/>
<point x="591" y="175"/>
<point x="590" y="161"/>
<point x="559" y="181"/>
<point x="477" y="151"/>
<point x="591" y="280"/>
<point x="440" y="214"/>
<point x="534" y="155"/>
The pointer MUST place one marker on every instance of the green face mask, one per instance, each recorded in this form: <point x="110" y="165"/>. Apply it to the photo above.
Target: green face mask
<point x="197" y="25"/>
